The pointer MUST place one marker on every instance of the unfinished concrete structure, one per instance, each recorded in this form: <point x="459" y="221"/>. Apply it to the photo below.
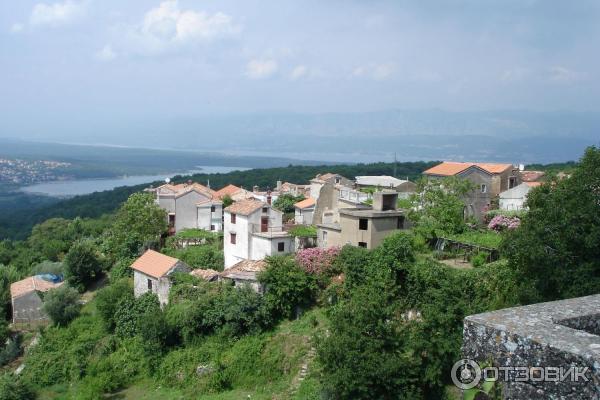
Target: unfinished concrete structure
<point x="560" y="335"/>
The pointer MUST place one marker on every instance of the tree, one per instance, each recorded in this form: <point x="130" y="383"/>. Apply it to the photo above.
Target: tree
<point x="82" y="265"/>
<point x="227" y="201"/>
<point x="130" y="312"/>
<point x="62" y="305"/>
<point x="52" y="238"/>
<point x="438" y="208"/>
<point x="285" y="203"/>
<point x="288" y="287"/>
<point x="556" y="249"/>
<point x="139" y="222"/>
<point x="11" y="388"/>
<point x="108" y="298"/>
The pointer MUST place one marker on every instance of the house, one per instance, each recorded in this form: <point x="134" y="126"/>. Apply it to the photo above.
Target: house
<point x="304" y="211"/>
<point x="152" y="273"/>
<point x="209" y="275"/>
<point x="514" y="199"/>
<point x="189" y="206"/>
<point x="245" y="273"/>
<point x="364" y="226"/>
<point x="489" y="179"/>
<point x="254" y="230"/>
<point x="334" y="179"/>
<point x="404" y="187"/>
<point x="293" y="189"/>
<point x="26" y="299"/>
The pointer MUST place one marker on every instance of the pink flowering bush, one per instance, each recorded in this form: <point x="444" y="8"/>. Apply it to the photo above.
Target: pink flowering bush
<point x="316" y="260"/>
<point x="501" y="222"/>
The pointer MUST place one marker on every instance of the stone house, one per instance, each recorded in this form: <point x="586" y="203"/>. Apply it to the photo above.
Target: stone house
<point x="245" y="273"/>
<point x="304" y="211"/>
<point x="26" y="299"/>
<point x="489" y="180"/>
<point x="364" y="226"/>
<point x="189" y="206"/>
<point x="254" y="230"/>
<point x="514" y="199"/>
<point x="209" y="275"/>
<point x="152" y="273"/>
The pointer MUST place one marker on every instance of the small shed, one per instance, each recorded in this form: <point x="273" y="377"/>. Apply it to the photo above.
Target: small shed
<point x="27" y="300"/>
<point x="246" y="273"/>
<point x="209" y="275"/>
<point x="151" y="273"/>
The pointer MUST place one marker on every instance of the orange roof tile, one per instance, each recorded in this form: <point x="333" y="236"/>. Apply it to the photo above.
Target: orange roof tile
<point x="533" y="184"/>
<point x="449" y="168"/>
<point x="155" y="264"/>
<point x="245" y="207"/>
<point x="31" y="284"/>
<point x="306" y="203"/>
<point x="206" y="274"/>
<point x="532" y="176"/>
<point x="227" y="190"/>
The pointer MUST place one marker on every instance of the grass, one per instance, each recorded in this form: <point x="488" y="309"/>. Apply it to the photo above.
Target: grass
<point x="487" y="239"/>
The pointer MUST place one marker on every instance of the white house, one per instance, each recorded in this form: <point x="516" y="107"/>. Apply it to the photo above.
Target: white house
<point x="304" y="211"/>
<point x="253" y="230"/>
<point x="404" y="187"/>
<point x="514" y="199"/>
<point x="190" y="206"/>
<point x="151" y="273"/>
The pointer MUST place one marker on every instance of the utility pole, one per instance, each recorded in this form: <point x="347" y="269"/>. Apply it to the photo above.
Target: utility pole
<point x="395" y="163"/>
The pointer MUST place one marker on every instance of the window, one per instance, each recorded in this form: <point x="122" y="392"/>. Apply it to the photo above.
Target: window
<point x="363" y="224"/>
<point x="362" y="244"/>
<point x="212" y="209"/>
<point x="337" y="180"/>
<point x="400" y="222"/>
<point x="512" y="182"/>
<point x="233" y="218"/>
<point x="212" y="227"/>
<point x="280" y="247"/>
<point x="232" y="237"/>
<point x="265" y="210"/>
<point x="171" y="220"/>
<point x="150" y="284"/>
<point x="483" y="188"/>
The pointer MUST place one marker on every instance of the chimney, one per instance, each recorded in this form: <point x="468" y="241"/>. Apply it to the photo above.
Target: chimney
<point x="521" y="167"/>
<point x="255" y="189"/>
<point x="269" y="197"/>
<point x="279" y="183"/>
<point x="208" y="183"/>
<point x="189" y="182"/>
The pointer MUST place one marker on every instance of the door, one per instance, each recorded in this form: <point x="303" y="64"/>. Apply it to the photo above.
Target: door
<point x="264" y="224"/>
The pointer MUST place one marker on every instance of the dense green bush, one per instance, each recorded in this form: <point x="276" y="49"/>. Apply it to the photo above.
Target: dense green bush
<point x="130" y="313"/>
<point x="82" y="265"/>
<point x="201" y="256"/>
<point x="62" y="304"/>
<point x="11" y="388"/>
<point x="108" y="298"/>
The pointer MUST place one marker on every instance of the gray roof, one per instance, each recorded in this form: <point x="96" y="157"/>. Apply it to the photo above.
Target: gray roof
<point x="381" y="180"/>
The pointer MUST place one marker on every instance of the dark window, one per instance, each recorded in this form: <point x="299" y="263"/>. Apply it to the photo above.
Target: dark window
<point x="281" y="246"/>
<point x="149" y="284"/>
<point x="233" y="218"/>
<point x="212" y="209"/>
<point x="265" y="210"/>
<point x="483" y="188"/>
<point x="337" y="180"/>
<point x="363" y="224"/>
<point x="232" y="238"/>
<point x="212" y="227"/>
<point x="362" y="244"/>
<point x="171" y="220"/>
<point x="512" y="182"/>
<point x="400" y="222"/>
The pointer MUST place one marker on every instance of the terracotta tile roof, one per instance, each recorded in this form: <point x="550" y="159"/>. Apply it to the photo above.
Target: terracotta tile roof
<point x="31" y="284"/>
<point x="206" y="274"/>
<point x="531" y="176"/>
<point x="245" y="207"/>
<point x="533" y="184"/>
<point x="198" y="188"/>
<point x="306" y="203"/>
<point x="154" y="264"/>
<point x="227" y="190"/>
<point x="246" y="269"/>
<point x="448" y="168"/>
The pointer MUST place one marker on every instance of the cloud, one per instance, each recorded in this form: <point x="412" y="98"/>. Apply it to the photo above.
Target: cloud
<point x="378" y="72"/>
<point x="17" y="28"/>
<point x="261" y="69"/>
<point x="167" y="26"/>
<point x="57" y="14"/>
<point x="106" y="53"/>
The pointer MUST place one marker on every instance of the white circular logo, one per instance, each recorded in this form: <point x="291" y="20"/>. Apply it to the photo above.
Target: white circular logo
<point x="466" y="374"/>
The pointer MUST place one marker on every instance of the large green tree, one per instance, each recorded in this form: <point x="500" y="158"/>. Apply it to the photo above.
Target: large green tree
<point x="62" y="305"/>
<point x="556" y="250"/>
<point x="82" y="264"/>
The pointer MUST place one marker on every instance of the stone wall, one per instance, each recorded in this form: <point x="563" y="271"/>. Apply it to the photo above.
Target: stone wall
<point x="560" y="334"/>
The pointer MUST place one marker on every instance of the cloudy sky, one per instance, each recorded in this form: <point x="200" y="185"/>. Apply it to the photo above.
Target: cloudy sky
<point x="87" y="60"/>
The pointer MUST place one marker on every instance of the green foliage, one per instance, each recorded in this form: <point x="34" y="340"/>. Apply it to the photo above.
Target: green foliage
<point x="489" y="239"/>
<point x="107" y="301"/>
<point x="11" y="388"/>
<point x="354" y="262"/>
<point x="121" y="269"/>
<point x="556" y="250"/>
<point x="479" y="259"/>
<point x="304" y="231"/>
<point x="82" y="265"/>
<point x="507" y="213"/>
<point x="12" y="348"/>
<point x="201" y="256"/>
<point x="48" y="267"/>
<point x="285" y="202"/>
<point x="288" y="287"/>
<point x="130" y="313"/>
<point x="437" y="207"/>
<point x="62" y="304"/>
<point x="139" y="223"/>
<point x="227" y="201"/>
<point x="210" y="237"/>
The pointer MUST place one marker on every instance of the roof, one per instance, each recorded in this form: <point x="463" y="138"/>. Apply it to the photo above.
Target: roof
<point x="155" y="264"/>
<point x="31" y="284"/>
<point x="228" y="190"/>
<point x="531" y="176"/>
<point x="449" y="168"/>
<point x="306" y="203"/>
<point x="383" y="180"/>
<point x="183" y="188"/>
<point x="206" y="274"/>
<point x="245" y="270"/>
<point x="245" y="207"/>
<point x="533" y="184"/>
<point x="370" y="213"/>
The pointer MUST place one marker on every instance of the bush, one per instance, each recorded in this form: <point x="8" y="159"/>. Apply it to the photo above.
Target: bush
<point x="202" y="256"/>
<point x="11" y="388"/>
<point x="11" y="350"/>
<point x="130" y="313"/>
<point x="479" y="259"/>
<point x="285" y="203"/>
<point x="317" y="260"/>
<point x="108" y="298"/>
<point x="82" y="265"/>
<point x="121" y="269"/>
<point x="48" y="267"/>
<point x="62" y="304"/>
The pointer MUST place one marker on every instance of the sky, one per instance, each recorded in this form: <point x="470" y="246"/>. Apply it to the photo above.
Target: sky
<point x="85" y="61"/>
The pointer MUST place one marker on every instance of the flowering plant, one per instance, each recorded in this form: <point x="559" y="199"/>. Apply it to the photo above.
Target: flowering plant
<point x="501" y="222"/>
<point x="317" y="260"/>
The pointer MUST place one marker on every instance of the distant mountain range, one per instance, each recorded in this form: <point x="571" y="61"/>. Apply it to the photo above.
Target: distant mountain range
<point x="512" y="136"/>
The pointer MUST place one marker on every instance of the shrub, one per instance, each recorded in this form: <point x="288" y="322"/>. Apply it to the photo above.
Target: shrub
<point x="501" y="222"/>
<point x="62" y="304"/>
<point x="82" y="265"/>
<point x="129" y="313"/>
<point x="202" y="256"/>
<point x="11" y="388"/>
<point x="107" y="301"/>
<point x="317" y="260"/>
<point x="121" y="269"/>
<point x="479" y="259"/>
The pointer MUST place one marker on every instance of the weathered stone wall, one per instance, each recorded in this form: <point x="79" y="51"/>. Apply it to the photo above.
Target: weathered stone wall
<point x="560" y="334"/>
